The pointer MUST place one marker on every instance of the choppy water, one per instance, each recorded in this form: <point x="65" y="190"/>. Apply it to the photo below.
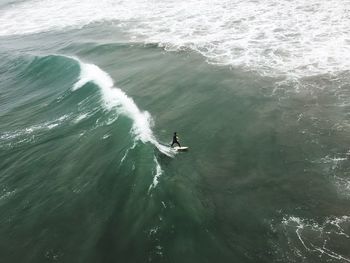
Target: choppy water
<point x="91" y="93"/>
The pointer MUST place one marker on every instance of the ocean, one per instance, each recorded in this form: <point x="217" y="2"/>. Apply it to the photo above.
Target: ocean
<point x="91" y="93"/>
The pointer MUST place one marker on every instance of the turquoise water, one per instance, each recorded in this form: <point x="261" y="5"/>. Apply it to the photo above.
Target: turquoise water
<point x="87" y="175"/>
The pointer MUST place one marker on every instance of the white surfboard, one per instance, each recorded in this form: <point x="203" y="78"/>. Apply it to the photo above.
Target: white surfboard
<point x="181" y="149"/>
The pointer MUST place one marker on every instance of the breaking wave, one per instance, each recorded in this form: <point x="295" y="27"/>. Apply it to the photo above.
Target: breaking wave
<point x="274" y="38"/>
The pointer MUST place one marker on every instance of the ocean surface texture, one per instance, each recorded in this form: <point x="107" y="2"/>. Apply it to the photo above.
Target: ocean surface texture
<point x="92" y="91"/>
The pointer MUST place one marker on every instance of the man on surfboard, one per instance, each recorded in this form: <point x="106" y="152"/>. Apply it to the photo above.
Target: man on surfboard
<point x="175" y="140"/>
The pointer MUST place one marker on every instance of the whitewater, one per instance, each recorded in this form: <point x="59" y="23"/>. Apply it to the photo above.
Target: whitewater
<point x="116" y="99"/>
<point x="275" y="38"/>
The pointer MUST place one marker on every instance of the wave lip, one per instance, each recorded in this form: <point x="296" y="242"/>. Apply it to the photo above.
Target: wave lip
<point x="115" y="98"/>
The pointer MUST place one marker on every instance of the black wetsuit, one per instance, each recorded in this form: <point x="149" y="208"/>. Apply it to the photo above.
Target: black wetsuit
<point x="175" y="141"/>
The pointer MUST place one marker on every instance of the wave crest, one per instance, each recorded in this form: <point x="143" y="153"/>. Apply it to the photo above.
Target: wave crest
<point x="115" y="99"/>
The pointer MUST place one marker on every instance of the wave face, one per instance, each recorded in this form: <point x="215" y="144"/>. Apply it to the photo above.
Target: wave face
<point x="274" y="38"/>
<point x="113" y="99"/>
<point x="80" y="133"/>
<point x="116" y="99"/>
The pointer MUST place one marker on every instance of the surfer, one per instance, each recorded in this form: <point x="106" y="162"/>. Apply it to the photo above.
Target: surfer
<point x="175" y="140"/>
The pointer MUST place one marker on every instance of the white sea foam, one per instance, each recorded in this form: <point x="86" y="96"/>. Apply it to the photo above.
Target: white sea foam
<point x="81" y="117"/>
<point x="318" y="238"/>
<point x="343" y="185"/>
<point x="127" y="152"/>
<point x="273" y="37"/>
<point x="26" y="132"/>
<point x="6" y="194"/>
<point x="332" y="162"/>
<point x="115" y="99"/>
<point x="333" y="166"/>
<point x="158" y="172"/>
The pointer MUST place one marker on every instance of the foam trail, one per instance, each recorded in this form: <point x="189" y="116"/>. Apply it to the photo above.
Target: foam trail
<point x="127" y="152"/>
<point x="156" y="176"/>
<point x="10" y="135"/>
<point x="333" y="228"/>
<point x="115" y="98"/>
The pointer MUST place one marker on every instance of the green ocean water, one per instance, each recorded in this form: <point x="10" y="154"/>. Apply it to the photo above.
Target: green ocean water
<point x="266" y="178"/>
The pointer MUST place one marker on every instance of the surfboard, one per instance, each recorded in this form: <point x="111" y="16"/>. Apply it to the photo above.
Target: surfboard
<point x="181" y="149"/>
